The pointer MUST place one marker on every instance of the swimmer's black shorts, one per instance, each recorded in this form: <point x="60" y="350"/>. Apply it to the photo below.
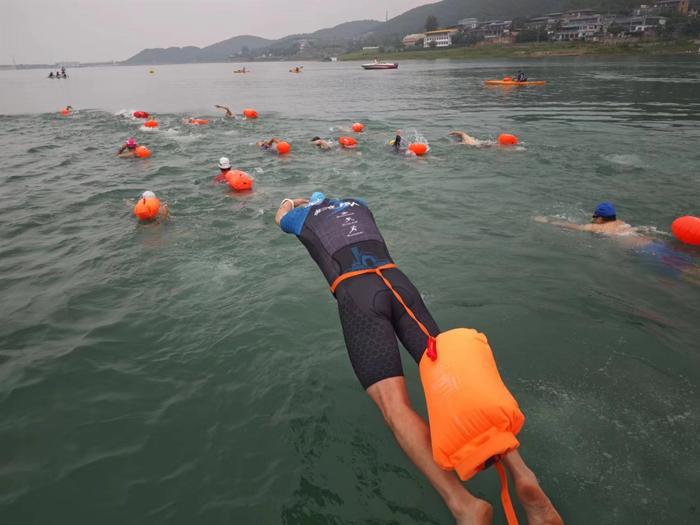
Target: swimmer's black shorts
<point x="372" y="318"/>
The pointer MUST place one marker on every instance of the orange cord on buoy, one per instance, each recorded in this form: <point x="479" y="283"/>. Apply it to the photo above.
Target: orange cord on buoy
<point x="511" y="518"/>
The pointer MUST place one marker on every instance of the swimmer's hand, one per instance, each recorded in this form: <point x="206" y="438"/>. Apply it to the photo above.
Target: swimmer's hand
<point x="541" y="219"/>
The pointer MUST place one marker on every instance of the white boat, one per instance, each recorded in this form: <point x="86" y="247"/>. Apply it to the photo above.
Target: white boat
<point x="376" y="64"/>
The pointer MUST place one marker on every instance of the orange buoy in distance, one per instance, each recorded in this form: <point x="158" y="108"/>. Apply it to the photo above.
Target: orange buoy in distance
<point x="151" y="124"/>
<point x="140" y="114"/>
<point x="506" y="139"/>
<point x="418" y="148"/>
<point x="283" y="147"/>
<point x="65" y="112"/>
<point x="147" y="207"/>
<point x="239" y="180"/>
<point x="142" y="152"/>
<point x="687" y="229"/>
<point x="250" y="113"/>
<point x="358" y="127"/>
<point x="347" y="142"/>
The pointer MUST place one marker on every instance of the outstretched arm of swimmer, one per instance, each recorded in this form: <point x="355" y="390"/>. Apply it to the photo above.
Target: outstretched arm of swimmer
<point x="466" y="139"/>
<point x="288" y="205"/>
<point x="564" y="224"/>
<point x="229" y="113"/>
<point x="121" y="150"/>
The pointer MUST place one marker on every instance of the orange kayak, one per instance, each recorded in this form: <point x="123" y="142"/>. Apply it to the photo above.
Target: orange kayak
<point x="515" y="83"/>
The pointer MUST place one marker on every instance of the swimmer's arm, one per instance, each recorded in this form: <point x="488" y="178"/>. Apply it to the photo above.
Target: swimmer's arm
<point x="228" y="111"/>
<point x="164" y="212"/>
<point x="564" y="224"/>
<point x="121" y="150"/>
<point x="286" y="206"/>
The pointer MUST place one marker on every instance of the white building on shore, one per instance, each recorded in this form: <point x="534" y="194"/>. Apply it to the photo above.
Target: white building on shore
<point x="439" y="38"/>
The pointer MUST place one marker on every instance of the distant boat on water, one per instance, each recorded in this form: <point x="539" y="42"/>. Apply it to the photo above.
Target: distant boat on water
<point x="376" y="64"/>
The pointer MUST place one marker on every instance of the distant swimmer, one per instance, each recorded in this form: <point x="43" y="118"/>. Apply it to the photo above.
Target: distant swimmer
<point x="128" y="149"/>
<point x="468" y="140"/>
<point x="521" y="77"/>
<point x="228" y="113"/>
<point x="225" y="167"/>
<point x="604" y="221"/>
<point x="397" y="142"/>
<point x="320" y="143"/>
<point x="297" y="69"/>
<point x="267" y="144"/>
<point x="376" y="303"/>
<point x="149" y="208"/>
<point x="51" y="75"/>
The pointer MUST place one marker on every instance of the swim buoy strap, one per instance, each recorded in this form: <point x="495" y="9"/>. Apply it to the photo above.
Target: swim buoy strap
<point x="511" y="518"/>
<point x="431" y="349"/>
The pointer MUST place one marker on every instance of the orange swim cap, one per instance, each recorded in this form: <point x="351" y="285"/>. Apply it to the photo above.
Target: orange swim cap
<point x="147" y="207"/>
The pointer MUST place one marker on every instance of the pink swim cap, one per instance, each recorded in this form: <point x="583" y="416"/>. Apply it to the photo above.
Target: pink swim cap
<point x="131" y="142"/>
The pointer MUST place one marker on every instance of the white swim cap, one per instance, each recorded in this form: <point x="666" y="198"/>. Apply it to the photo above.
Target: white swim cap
<point x="148" y="195"/>
<point x="224" y="163"/>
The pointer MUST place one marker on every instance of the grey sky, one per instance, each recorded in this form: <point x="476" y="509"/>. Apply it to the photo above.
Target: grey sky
<point x="48" y="31"/>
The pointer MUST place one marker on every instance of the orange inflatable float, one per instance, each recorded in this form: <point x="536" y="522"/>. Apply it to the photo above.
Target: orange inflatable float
<point x="142" y="152"/>
<point x="239" y="180"/>
<point x="358" y="127"/>
<point x="347" y="142"/>
<point x="151" y="124"/>
<point x="687" y="229"/>
<point x="147" y="207"/>
<point x="473" y="417"/>
<point x="65" y="112"/>
<point x="418" y="148"/>
<point x="250" y="113"/>
<point x="140" y="114"/>
<point x="198" y="121"/>
<point x="283" y="147"/>
<point x="506" y="139"/>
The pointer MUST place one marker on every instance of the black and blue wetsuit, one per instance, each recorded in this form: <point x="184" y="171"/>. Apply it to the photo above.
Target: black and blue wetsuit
<point x="342" y="236"/>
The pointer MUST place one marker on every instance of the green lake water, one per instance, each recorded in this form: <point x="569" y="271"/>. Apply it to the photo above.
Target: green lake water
<point x="195" y="372"/>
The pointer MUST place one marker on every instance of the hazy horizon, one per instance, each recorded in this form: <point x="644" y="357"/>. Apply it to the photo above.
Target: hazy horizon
<point x="51" y="31"/>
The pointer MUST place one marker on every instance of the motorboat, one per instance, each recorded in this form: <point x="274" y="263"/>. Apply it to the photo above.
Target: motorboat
<point x="376" y="64"/>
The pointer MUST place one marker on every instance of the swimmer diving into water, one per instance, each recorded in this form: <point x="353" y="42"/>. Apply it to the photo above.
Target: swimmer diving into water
<point x="342" y="237"/>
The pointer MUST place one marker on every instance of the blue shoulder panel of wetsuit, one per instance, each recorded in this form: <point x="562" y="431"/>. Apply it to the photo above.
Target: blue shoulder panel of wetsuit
<point x="293" y="221"/>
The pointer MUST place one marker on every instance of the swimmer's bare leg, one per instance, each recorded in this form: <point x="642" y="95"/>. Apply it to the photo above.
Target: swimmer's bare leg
<point x="229" y="113"/>
<point x="413" y="436"/>
<point x="534" y="501"/>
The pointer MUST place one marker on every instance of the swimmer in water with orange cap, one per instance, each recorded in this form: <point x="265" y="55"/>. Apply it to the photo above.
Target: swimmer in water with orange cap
<point x="128" y="149"/>
<point x="343" y="238"/>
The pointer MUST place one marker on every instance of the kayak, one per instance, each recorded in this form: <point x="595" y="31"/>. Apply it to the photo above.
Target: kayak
<point x="515" y="83"/>
<point x="380" y="65"/>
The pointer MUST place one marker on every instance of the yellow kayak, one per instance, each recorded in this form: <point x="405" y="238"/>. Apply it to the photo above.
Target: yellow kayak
<point x="515" y="83"/>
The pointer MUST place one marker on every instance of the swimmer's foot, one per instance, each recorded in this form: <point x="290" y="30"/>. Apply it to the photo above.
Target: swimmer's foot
<point x="535" y="503"/>
<point x="475" y="512"/>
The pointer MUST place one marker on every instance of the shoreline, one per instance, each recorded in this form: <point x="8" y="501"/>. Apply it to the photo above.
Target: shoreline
<point x="537" y="50"/>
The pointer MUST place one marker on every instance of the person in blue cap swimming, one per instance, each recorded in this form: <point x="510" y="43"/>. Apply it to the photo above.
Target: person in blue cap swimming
<point x="343" y="238"/>
<point x="605" y="222"/>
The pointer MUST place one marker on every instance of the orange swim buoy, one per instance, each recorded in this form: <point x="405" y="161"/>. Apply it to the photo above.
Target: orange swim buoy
<point x="418" y="148"/>
<point x="506" y="139"/>
<point x="151" y="124"/>
<point x="358" y="127"/>
<point x="198" y="121"/>
<point x="147" y="208"/>
<point x="250" y="113"/>
<point x="507" y="79"/>
<point x="65" y="112"/>
<point x="142" y="152"/>
<point x="140" y="114"/>
<point x="283" y="147"/>
<point x="347" y="142"/>
<point x="239" y="180"/>
<point x="687" y="229"/>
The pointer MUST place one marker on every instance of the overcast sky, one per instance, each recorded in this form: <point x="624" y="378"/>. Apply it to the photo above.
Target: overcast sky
<point x="48" y="31"/>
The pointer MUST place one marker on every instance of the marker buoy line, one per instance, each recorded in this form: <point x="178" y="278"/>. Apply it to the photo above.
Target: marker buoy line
<point x="239" y="180"/>
<point x="147" y="207"/>
<point x="141" y="114"/>
<point x="151" y="124"/>
<point x="506" y="139"/>
<point x="347" y="142"/>
<point x="250" y="113"/>
<point x="142" y="152"/>
<point x="358" y="127"/>
<point x="473" y="417"/>
<point x="283" y="147"/>
<point x="418" y="148"/>
<point x="687" y="229"/>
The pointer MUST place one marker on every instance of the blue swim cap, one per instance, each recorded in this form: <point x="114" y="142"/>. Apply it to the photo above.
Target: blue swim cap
<point x="316" y="198"/>
<point x="605" y="210"/>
